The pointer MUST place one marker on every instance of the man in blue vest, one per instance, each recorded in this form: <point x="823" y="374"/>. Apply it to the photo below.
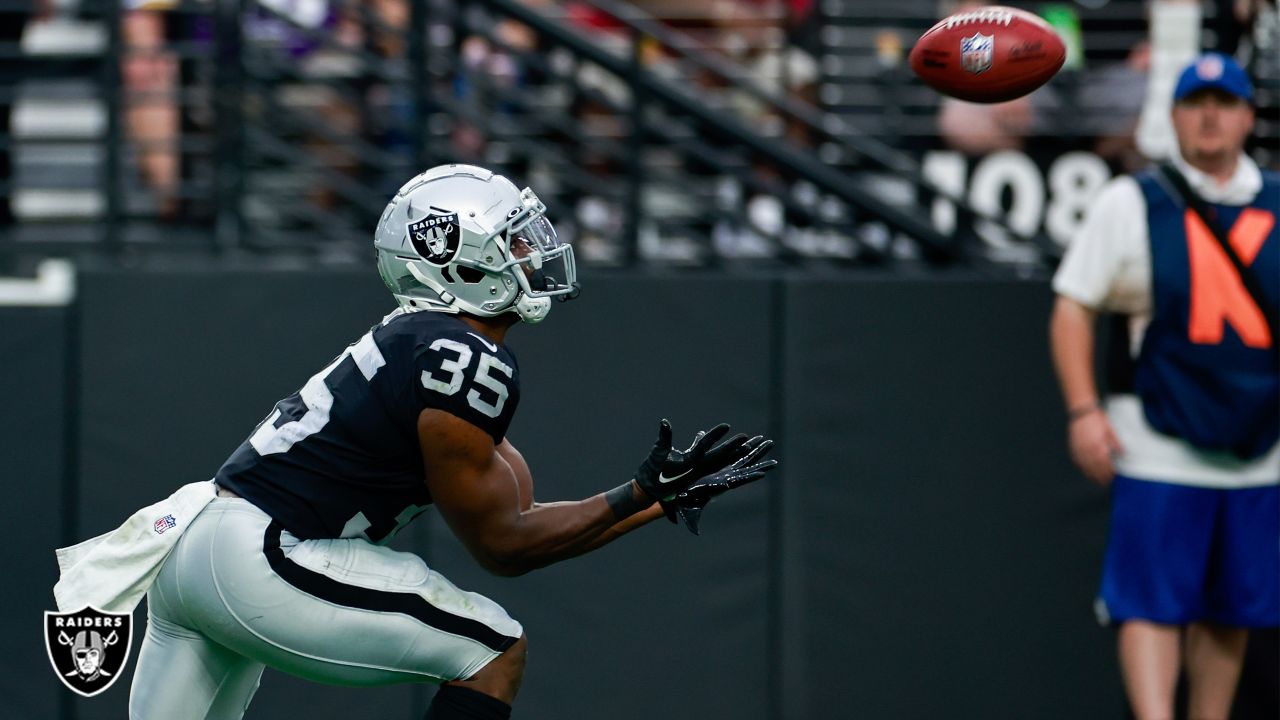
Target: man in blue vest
<point x="1187" y="436"/>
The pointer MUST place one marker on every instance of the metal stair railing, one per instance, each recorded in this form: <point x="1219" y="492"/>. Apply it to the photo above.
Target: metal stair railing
<point x="689" y="145"/>
<point x="647" y="85"/>
<point x="672" y="144"/>
<point x="830" y="126"/>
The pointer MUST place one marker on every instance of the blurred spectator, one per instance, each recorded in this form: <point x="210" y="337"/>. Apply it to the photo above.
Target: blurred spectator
<point x="13" y="21"/>
<point x="1234" y="25"/>
<point x="976" y="129"/>
<point x="1113" y="97"/>
<point x="1174" y="31"/>
<point x="489" y="71"/>
<point x="151" y="108"/>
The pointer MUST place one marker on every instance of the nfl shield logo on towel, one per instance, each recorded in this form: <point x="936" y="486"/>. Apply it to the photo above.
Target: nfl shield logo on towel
<point x="164" y="523"/>
<point x="88" y="648"/>
<point x="976" y="53"/>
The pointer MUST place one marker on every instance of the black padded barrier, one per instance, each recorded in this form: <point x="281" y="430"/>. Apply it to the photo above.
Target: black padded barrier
<point x="943" y="551"/>
<point x="33" y="427"/>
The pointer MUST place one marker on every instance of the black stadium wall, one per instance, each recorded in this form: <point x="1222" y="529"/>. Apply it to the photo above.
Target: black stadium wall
<point x="925" y="551"/>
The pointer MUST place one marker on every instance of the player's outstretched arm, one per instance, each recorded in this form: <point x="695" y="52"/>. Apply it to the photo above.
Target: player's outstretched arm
<point x="480" y="496"/>
<point x="524" y="481"/>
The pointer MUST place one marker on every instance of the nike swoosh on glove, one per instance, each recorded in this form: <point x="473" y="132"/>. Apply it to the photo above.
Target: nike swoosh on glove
<point x="667" y="472"/>
<point x="690" y="503"/>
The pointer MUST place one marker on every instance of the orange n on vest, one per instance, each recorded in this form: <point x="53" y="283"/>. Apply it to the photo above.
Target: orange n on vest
<point x="1218" y="296"/>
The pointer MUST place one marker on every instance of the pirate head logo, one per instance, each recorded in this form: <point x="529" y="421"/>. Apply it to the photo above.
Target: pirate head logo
<point x="976" y="53"/>
<point x="436" y="236"/>
<point x="88" y="648"/>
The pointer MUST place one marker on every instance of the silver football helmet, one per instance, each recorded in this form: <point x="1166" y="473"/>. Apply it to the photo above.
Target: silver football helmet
<point x="460" y="239"/>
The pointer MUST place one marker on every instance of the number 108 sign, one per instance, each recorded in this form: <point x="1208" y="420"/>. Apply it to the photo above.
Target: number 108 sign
<point x="1012" y="186"/>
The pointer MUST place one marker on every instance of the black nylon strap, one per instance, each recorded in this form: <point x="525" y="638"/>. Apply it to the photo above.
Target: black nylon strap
<point x="1120" y="365"/>
<point x="1193" y="200"/>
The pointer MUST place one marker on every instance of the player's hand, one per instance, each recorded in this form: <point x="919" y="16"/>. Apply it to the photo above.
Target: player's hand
<point x="668" y="472"/>
<point x="747" y="469"/>
<point x="1093" y="444"/>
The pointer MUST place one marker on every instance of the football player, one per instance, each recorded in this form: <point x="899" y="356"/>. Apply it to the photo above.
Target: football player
<point x="288" y="567"/>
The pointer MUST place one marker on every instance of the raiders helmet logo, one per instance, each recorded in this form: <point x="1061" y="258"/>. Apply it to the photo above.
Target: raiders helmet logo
<point x="88" y="648"/>
<point x="436" y="237"/>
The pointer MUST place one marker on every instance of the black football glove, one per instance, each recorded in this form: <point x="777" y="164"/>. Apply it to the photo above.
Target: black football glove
<point x="668" y="472"/>
<point x="690" y="503"/>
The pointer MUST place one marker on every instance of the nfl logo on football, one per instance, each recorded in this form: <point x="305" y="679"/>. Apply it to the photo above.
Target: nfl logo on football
<point x="976" y="53"/>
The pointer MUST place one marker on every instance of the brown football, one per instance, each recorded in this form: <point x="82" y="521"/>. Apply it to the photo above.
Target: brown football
<point x="989" y="54"/>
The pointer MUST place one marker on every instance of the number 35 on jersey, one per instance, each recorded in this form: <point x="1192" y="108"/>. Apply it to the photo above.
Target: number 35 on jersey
<point x="488" y="393"/>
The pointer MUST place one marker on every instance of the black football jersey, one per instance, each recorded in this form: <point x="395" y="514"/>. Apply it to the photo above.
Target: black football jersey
<point x="340" y="457"/>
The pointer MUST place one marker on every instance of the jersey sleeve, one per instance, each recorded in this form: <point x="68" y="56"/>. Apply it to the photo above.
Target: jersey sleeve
<point x="1113" y="232"/>
<point x="469" y="377"/>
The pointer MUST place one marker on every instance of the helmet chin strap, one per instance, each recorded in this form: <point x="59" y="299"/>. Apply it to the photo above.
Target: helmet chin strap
<point x="532" y="310"/>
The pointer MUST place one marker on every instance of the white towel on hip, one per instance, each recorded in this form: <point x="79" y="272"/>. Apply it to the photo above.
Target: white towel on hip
<point x="112" y="572"/>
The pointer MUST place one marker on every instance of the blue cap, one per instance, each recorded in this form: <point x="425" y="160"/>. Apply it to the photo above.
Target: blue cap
<point x="1217" y="71"/>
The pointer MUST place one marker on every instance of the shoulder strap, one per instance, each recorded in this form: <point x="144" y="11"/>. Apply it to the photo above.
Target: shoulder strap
<point x="1183" y="191"/>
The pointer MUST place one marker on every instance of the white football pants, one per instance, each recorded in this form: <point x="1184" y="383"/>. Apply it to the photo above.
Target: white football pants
<point x="239" y="593"/>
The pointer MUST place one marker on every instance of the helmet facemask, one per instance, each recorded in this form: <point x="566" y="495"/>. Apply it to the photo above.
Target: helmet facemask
<point x="542" y="266"/>
<point x="547" y="265"/>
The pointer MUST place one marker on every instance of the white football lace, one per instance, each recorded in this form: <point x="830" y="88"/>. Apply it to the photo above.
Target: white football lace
<point x="1003" y="17"/>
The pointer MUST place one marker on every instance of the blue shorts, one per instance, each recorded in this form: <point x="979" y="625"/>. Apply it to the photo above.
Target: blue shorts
<point x="1178" y="554"/>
